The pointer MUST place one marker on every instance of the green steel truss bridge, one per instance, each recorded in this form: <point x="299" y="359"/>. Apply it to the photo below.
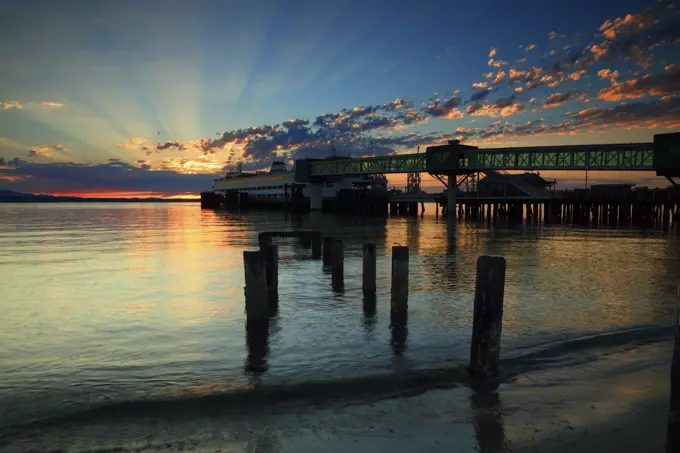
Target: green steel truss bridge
<point x="662" y="156"/>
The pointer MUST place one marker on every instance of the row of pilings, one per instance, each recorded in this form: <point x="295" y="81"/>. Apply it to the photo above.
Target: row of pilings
<point x="560" y="212"/>
<point x="639" y="208"/>
<point x="262" y="279"/>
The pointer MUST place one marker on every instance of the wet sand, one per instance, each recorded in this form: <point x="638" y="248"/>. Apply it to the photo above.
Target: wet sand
<point x="614" y="401"/>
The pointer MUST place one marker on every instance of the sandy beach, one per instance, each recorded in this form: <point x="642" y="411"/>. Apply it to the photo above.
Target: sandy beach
<point x="615" y="400"/>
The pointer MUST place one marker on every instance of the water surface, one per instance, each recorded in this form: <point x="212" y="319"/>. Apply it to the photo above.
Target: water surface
<point x="108" y="303"/>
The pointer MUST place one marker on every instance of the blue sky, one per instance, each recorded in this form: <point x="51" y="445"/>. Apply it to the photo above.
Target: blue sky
<point x="93" y="92"/>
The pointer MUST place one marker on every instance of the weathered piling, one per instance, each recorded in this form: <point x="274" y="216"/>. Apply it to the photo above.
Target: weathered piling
<point x="270" y="254"/>
<point x="316" y="244"/>
<point x="673" y="430"/>
<point x="399" y="299"/>
<point x="488" y="316"/>
<point x="338" y="265"/>
<point x="257" y="306"/>
<point x="369" y="268"/>
<point x="327" y="251"/>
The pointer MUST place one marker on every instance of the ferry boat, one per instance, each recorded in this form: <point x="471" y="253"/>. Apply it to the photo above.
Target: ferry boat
<point x="276" y="185"/>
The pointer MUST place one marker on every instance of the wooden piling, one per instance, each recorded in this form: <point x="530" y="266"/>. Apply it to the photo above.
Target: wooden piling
<point x="257" y="307"/>
<point x="488" y="316"/>
<point x="338" y="261"/>
<point x="673" y="430"/>
<point x="327" y="251"/>
<point x="399" y="299"/>
<point x="369" y="268"/>
<point x="270" y="254"/>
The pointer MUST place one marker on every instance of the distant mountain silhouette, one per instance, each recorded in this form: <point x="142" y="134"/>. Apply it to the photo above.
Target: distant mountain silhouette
<point x="11" y="193"/>
<point x="11" y="196"/>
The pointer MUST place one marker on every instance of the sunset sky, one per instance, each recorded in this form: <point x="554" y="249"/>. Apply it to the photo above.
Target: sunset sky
<point x="157" y="97"/>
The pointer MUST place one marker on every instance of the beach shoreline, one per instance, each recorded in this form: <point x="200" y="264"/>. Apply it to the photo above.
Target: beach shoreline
<point x="617" y="401"/>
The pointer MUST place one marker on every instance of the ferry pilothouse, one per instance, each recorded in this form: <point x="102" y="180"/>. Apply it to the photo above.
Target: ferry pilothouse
<point x="273" y="186"/>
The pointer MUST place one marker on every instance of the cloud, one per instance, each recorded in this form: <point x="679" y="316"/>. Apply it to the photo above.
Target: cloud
<point x="522" y="60"/>
<point x="503" y="107"/>
<point x="557" y="99"/>
<point x="671" y="67"/>
<point x="446" y="108"/>
<point x="552" y="35"/>
<point x="113" y="176"/>
<point x="499" y="77"/>
<point x="38" y="150"/>
<point x="657" y="113"/>
<point x="530" y="47"/>
<point x="52" y="104"/>
<point x="480" y="85"/>
<point x="608" y="74"/>
<point x="12" y="163"/>
<point x="666" y="83"/>
<point x="176" y="145"/>
<point x="9" y="105"/>
<point x="345" y="129"/>
<point x="480" y="95"/>
<point x="650" y="115"/>
<point x="135" y="144"/>
<point x="492" y="52"/>
<point x="634" y="36"/>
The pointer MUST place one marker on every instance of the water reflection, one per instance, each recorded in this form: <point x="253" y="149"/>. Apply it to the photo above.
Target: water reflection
<point x="257" y="343"/>
<point x="487" y="418"/>
<point x="370" y="309"/>
<point x="399" y="333"/>
<point x="170" y="277"/>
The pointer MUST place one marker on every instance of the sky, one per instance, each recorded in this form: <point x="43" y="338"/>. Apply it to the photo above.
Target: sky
<point x="150" y="97"/>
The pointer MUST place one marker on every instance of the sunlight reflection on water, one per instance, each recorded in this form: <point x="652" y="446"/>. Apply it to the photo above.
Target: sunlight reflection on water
<point x="119" y="301"/>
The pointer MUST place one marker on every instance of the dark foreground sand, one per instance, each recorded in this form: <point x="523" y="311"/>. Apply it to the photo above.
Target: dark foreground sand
<point x="617" y="402"/>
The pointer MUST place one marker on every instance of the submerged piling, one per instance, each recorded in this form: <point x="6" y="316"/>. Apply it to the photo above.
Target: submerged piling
<point x="399" y="299"/>
<point x="488" y="316"/>
<point x="369" y="268"/>
<point x="257" y="308"/>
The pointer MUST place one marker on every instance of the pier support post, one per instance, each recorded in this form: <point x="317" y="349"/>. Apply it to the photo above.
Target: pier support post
<point x="673" y="430"/>
<point x="369" y="268"/>
<point x="338" y="264"/>
<point x="257" y="307"/>
<point x="488" y="316"/>
<point x="399" y="299"/>
<point x="315" y="197"/>
<point x="270" y="253"/>
<point x="316" y="245"/>
<point x="451" y="197"/>
<point x="327" y="251"/>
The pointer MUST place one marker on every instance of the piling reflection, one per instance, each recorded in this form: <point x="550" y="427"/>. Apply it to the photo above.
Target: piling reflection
<point x="370" y="309"/>
<point x="257" y="342"/>
<point x="399" y="333"/>
<point x="487" y="418"/>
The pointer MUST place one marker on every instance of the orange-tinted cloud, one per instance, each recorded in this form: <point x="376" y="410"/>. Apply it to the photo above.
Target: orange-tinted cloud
<point x="557" y="99"/>
<point x="9" y="105"/>
<point x="666" y="83"/>
<point x="499" y="77"/>
<point x="52" y="104"/>
<point x="480" y="85"/>
<point x="38" y="150"/>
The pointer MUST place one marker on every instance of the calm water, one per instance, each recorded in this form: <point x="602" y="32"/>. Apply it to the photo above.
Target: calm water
<point x="107" y="303"/>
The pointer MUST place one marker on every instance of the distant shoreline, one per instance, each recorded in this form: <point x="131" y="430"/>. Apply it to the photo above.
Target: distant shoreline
<point x="39" y="199"/>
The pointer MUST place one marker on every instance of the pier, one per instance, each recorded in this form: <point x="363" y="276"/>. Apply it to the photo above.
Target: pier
<point x="486" y="184"/>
